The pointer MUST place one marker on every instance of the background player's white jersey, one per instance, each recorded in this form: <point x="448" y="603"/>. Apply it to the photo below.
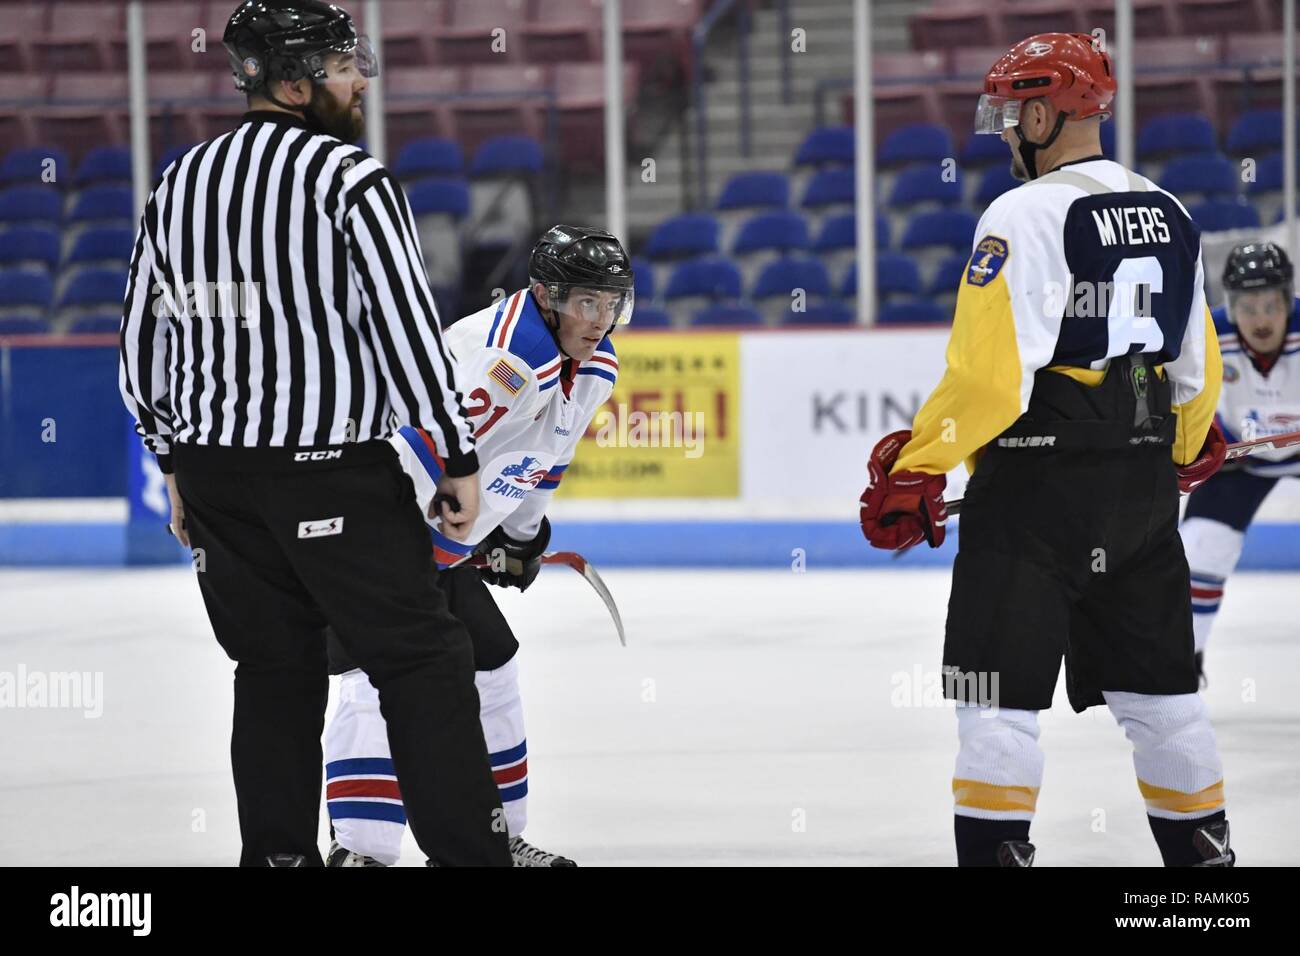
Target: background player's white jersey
<point x="529" y="406"/>
<point x="1255" y="403"/>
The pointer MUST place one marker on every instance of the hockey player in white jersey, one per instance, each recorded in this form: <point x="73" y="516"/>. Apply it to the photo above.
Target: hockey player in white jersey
<point x="1081" y="384"/>
<point x="1259" y="338"/>
<point x="535" y="368"/>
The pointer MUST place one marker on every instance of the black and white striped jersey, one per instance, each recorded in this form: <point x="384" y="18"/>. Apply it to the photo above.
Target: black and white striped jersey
<point x="277" y="297"/>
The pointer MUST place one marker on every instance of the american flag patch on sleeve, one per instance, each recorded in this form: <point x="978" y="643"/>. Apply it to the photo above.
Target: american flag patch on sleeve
<point x="505" y="373"/>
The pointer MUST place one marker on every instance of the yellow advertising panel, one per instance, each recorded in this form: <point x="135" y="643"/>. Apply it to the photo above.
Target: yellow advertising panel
<point x="671" y="427"/>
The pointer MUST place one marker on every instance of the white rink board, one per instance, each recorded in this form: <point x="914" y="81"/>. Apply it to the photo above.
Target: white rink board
<point x="815" y="403"/>
<point x="771" y="695"/>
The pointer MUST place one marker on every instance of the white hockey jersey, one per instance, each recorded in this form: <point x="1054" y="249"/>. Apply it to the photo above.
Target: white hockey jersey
<point x="1255" y="403"/>
<point x="529" y="406"/>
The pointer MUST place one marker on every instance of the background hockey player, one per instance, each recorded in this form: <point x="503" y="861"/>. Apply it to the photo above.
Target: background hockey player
<point x="1082" y="358"/>
<point x="536" y="367"/>
<point x="1259" y="338"/>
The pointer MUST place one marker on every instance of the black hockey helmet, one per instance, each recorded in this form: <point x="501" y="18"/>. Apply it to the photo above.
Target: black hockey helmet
<point x="568" y="256"/>
<point x="1258" y="265"/>
<point x="288" y="40"/>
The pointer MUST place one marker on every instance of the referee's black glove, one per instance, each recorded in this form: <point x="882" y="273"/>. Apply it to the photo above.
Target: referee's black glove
<point x="520" y="560"/>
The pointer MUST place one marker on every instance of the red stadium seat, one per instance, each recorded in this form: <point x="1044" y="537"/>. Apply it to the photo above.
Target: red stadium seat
<point x="410" y="113"/>
<point x="1053" y="16"/>
<point x="77" y="38"/>
<point x="422" y="80"/>
<point x="1219" y="16"/>
<point x="22" y="89"/>
<point x="16" y="127"/>
<point x="1187" y="52"/>
<point x="943" y="27"/>
<point x="1235" y="94"/>
<point x="470" y="32"/>
<point x="1253" y="49"/>
<point x="409" y="27"/>
<point x="656" y="35"/>
<point x="580" y="104"/>
<point x="1151" y="18"/>
<point x="561" y="30"/>
<point x="186" y="85"/>
<point x="79" y="129"/>
<point x="22" y="24"/>
<point x="956" y="101"/>
<point x="913" y="65"/>
<point x="506" y="99"/>
<point x="1159" y="93"/>
<point x="896" y="106"/>
<point x="975" y="62"/>
<point x="80" y="88"/>
<point x="167" y="35"/>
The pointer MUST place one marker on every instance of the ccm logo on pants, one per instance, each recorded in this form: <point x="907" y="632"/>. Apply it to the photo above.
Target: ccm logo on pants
<point x="320" y="529"/>
<point x="318" y="455"/>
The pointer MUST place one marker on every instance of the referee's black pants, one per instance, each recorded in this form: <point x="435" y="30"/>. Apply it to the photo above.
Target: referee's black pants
<point x="284" y="548"/>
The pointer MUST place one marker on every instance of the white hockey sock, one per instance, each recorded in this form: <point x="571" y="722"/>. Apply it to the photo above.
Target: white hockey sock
<point x="1213" y="549"/>
<point x="1175" y="755"/>
<point x="502" y="714"/>
<point x="999" y="765"/>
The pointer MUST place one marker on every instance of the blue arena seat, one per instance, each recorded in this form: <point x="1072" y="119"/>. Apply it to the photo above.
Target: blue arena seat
<point x="690" y="234"/>
<point x="757" y="190"/>
<point x="954" y="228"/>
<point x="1176" y="134"/>
<point x="826" y="146"/>
<point x="783" y="276"/>
<point x="916" y="142"/>
<point x="780" y="229"/>
<point x="711" y="277"/>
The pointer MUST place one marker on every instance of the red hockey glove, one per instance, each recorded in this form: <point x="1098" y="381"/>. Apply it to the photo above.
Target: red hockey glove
<point x="901" y="509"/>
<point x="1200" y="469"/>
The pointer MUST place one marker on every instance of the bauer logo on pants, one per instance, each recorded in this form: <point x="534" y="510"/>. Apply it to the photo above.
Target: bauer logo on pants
<point x="320" y="529"/>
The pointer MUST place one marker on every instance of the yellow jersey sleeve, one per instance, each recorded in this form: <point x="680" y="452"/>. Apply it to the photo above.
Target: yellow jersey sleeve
<point x="980" y="393"/>
<point x="1197" y="412"/>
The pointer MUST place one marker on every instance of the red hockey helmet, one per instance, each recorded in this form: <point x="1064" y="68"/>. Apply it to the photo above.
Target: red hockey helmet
<point x="1070" y="69"/>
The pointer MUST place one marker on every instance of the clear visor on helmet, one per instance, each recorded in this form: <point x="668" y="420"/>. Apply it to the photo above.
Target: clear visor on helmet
<point x="996" y="113"/>
<point x="597" y="305"/>
<point x="363" y="53"/>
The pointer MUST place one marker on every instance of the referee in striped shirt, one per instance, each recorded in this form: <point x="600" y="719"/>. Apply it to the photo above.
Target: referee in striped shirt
<point x="278" y="326"/>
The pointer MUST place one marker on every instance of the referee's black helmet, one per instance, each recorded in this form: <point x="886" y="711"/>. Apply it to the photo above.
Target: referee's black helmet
<point x="272" y="40"/>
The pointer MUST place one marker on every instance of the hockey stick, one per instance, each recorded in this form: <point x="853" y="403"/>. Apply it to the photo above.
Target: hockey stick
<point x="1238" y="449"/>
<point x="580" y="564"/>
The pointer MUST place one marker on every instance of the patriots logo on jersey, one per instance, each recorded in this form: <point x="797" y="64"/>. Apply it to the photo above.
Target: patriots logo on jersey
<point x="524" y="473"/>
<point x="987" y="260"/>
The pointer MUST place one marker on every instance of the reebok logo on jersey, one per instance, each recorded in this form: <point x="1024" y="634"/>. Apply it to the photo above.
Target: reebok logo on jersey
<point x="987" y="260"/>
<point x="320" y="529"/>
<point x="504" y="373"/>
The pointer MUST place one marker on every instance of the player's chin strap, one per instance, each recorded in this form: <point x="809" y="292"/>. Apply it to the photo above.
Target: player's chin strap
<point x="1029" y="149"/>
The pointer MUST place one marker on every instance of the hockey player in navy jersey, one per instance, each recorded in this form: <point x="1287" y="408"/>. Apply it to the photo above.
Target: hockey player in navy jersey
<point x="1081" y="383"/>
<point x="535" y="368"/>
<point x="1259" y="338"/>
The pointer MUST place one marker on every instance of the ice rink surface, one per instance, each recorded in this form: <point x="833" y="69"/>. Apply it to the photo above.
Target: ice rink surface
<point x="756" y="718"/>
